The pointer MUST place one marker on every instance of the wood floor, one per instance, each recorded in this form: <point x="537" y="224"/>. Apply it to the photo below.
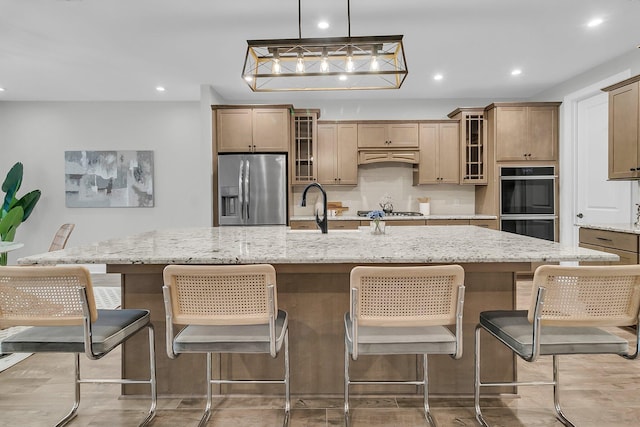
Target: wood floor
<point x="599" y="391"/>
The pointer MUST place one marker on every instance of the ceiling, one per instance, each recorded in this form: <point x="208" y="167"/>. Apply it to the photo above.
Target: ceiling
<point x="123" y="49"/>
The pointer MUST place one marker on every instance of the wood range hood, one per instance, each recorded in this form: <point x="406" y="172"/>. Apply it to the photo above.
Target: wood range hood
<point x="366" y="157"/>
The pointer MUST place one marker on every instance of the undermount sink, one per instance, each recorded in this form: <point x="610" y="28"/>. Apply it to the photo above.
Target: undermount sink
<point x="317" y="231"/>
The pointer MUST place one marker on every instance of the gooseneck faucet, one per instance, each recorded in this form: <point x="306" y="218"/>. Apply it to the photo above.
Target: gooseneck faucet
<point x="323" y="224"/>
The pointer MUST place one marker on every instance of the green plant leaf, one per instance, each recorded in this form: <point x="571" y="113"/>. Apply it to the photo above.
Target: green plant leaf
<point x="10" y="223"/>
<point x="11" y="185"/>
<point x="28" y="202"/>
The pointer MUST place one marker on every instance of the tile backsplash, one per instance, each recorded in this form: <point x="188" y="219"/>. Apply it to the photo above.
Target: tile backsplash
<point x="396" y="180"/>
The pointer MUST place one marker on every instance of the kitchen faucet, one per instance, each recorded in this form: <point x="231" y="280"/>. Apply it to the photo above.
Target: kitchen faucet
<point x="324" y="223"/>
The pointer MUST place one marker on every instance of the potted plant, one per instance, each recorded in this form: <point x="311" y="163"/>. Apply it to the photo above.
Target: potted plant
<point x="14" y="211"/>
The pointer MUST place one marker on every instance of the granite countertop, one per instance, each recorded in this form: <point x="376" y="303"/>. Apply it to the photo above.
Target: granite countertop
<point x="394" y="218"/>
<point x="280" y="245"/>
<point x="620" y="227"/>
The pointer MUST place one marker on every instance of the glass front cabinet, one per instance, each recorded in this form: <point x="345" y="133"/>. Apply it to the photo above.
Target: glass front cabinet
<point x="473" y="145"/>
<point x="304" y="150"/>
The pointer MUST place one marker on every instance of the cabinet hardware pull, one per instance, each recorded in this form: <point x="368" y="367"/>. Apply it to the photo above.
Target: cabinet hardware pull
<point x="633" y="169"/>
<point x="604" y="239"/>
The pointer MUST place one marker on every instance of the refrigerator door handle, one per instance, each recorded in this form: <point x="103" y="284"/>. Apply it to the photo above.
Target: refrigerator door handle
<point x="240" y="194"/>
<point x="247" y="189"/>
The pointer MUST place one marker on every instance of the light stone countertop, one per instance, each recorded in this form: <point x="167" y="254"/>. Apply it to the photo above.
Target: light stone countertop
<point x="280" y="245"/>
<point x="394" y="218"/>
<point x="620" y="227"/>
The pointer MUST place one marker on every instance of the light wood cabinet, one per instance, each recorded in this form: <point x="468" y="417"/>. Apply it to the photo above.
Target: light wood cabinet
<point x="439" y="153"/>
<point x="625" y="245"/>
<point x="491" y="224"/>
<point x="248" y="130"/>
<point x="304" y="151"/>
<point x="346" y="224"/>
<point x="624" y="129"/>
<point x="473" y="145"/>
<point x="338" y="153"/>
<point x="447" y="222"/>
<point x="525" y="131"/>
<point x="387" y="135"/>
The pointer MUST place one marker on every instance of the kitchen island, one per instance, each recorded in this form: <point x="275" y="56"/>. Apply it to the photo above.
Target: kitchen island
<point x="313" y="286"/>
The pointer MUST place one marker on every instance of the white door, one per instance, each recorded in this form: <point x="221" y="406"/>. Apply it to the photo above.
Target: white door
<point x="598" y="201"/>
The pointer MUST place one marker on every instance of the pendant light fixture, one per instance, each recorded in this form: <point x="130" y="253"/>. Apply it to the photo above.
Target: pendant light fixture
<point x="330" y="63"/>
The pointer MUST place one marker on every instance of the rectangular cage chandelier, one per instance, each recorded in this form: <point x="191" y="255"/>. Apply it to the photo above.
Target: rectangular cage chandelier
<point x="331" y="63"/>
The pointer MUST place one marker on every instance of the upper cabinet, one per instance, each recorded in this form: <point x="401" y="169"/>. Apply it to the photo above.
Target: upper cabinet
<point x="473" y="145"/>
<point x="387" y="135"/>
<point x="252" y="129"/>
<point x="338" y="153"/>
<point x="304" y="151"/>
<point x="439" y="153"/>
<point x="525" y="131"/>
<point x="624" y="129"/>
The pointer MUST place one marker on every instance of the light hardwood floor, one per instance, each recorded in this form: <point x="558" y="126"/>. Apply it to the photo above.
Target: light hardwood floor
<point x="598" y="391"/>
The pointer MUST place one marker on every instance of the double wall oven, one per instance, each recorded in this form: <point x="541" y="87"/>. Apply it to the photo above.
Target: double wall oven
<point x="527" y="201"/>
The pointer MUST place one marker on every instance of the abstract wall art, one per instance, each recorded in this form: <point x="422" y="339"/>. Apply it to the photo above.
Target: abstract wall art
<point x="108" y="179"/>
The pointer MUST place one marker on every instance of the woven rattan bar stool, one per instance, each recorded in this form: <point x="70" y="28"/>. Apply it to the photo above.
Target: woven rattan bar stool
<point x="569" y="308"/>
<point x="226" y="309"/>
<point x="58" y="304"/>
<point x="403" y="310"/>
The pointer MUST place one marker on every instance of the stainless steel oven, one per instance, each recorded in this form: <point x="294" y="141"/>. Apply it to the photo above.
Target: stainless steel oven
<point x="527" y="201"/>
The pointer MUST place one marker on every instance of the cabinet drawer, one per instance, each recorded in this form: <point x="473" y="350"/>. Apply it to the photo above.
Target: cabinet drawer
<point x="609" y="239"/>
<point x="344" y="225"/>
<point x="485" y="223"/>
<point x="626" y="257"/>
<point x="303" y="225"/>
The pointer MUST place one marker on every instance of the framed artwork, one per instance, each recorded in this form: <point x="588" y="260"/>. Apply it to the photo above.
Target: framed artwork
<point x="108" y="179"/>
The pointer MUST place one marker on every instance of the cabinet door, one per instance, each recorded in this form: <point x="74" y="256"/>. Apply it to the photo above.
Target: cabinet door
<point x="271" y="129"/>
<point x="327" y="138"/>
<point x="623" y="132"/>
<point x="449" y="153"/>
<point x="234" y="130"/>
<point x="347" y="150"/>
<point x="428" y="167"/>
<point x="304" y="150"/>
<point x="542" y="133"/>
<point x="402" y="135"/>
<point x="372" y="135"/>
<point x="511" y="133"/>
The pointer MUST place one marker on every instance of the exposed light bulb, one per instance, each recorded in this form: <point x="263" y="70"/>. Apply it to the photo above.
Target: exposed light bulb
<point x="342" y="77"/>
<point x="350" y="65"/>
<point x="248" y="77"/>
<point x="324" y="65"/>
<point x="323" y="25"/>
<point x="160" y="89"/>
<point x="438" y="77"/>
<point x="276" y="66"/>
<point x="300" y="64"/>
<point x="374" y="64"/>
<point x="516" y="72"/>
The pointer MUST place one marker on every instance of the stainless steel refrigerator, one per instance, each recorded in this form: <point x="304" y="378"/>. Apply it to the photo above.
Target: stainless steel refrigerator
<point x="252" y="189"/>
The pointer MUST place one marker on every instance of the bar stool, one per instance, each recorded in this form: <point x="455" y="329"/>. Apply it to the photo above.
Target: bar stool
<point x="571" y="305"/>
<point x="226" y="309"/>
<point x="58" y="304"/>
<point x="403" y="310"/>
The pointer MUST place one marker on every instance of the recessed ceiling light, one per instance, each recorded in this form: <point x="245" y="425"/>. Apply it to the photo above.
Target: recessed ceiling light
<point x="323" y="25"/>
<point x="595" y="22"/>
<point x="438" y="77"/>
<point x="160" y="88"/>
<point x="1" y="89"/>
<point x="516" y="72"/>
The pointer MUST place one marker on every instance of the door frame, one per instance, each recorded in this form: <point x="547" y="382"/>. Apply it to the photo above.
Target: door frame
<point x="569" y="152"/>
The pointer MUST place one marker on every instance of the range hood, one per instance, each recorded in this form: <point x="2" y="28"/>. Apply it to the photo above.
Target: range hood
<point x="396" y="156"/>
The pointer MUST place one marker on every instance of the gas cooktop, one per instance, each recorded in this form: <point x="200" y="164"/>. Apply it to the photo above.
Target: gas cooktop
<point x="394" y="213"/>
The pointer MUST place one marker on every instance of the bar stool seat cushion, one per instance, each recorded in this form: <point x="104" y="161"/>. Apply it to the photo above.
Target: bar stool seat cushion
<point x="401" y="339"/>
<point x="513" y="328"/>
<point x="229" y="338"/>
<point x="111" y="329"/>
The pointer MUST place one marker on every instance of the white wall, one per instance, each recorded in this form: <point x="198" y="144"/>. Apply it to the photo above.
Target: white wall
<point x="38" y="133"/>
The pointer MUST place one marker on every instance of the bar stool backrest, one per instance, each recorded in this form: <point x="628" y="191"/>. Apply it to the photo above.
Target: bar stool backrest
<point x="221" y="295"/>
<point x="587" y="295"/>
<point x="406" y="296"/>
<point x="45" y="296"/>
<point x="61" y="237"/>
